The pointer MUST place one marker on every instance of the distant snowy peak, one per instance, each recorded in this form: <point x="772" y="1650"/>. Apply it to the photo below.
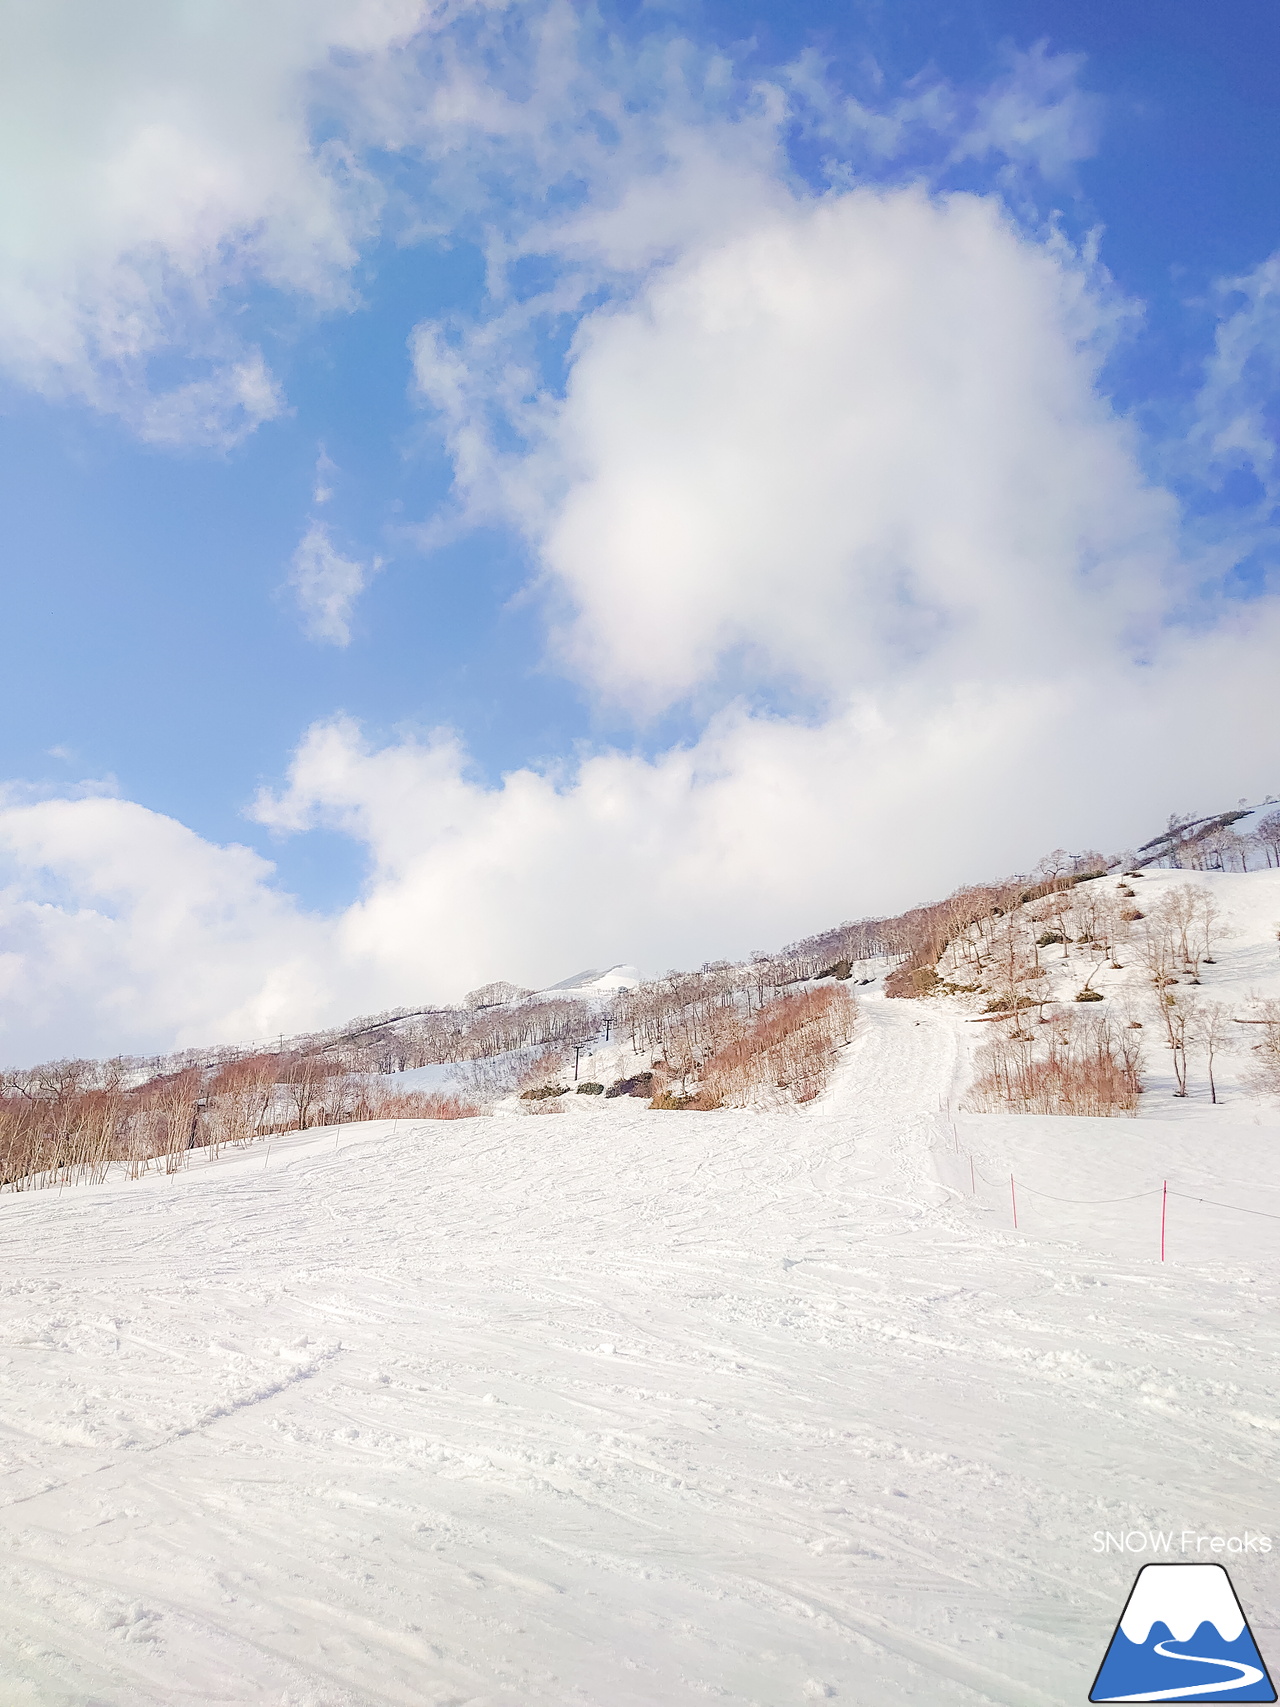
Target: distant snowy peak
<point x="596" y="981"/>
<point x="1182" y="1597"/>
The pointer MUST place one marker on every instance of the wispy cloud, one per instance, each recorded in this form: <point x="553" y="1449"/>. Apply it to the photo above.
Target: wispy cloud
<point x="1238" y="424"/>
<point x="217" y="411"/>
<point x="1037" y="115"/>
<point x="326" y="585"/>
<point x="322" y="489"/>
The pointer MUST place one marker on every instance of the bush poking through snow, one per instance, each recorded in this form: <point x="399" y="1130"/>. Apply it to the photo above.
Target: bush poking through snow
<point x="696" y="1101"/>
<point x="842" y="969"/>
<point x="911" y="981"/>
<point x="640" y="1085"/>
<point x="1076" y="1064"/>
<point x="423" y="1105"/>
<point x="67" y="1122"/>
<point x="788" y="1049"/>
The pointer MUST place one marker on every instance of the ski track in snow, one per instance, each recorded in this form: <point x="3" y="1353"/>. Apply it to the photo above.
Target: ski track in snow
<point x="621" y="1408"/>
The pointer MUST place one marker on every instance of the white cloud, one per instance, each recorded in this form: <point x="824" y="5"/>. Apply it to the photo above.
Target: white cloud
<point x="218" y="411"/>
<point x="322" y="490"/>
<point x="1236" y="424"/>
<point x="123" y="929"/>
<point x="854" y="445"/>
<point x="765" y="827"/>
<point x="157" y="159"/>
<point x="882" y="126"/>
<point x="153" y="155"/>
<point x="1036" y="115"/>
<point x="855" y="437"/>
<point x="327" y="585"/>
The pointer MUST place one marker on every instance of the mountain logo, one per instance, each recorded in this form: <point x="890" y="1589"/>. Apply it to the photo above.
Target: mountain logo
<point x="1182" y="1636"/>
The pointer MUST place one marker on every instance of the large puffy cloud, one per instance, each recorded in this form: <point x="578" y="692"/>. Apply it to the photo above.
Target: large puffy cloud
<point x="122" y="929"/>
<point x="152" y="155"/>
<point x="860" y="436"/>
<point x="767" y="827"/>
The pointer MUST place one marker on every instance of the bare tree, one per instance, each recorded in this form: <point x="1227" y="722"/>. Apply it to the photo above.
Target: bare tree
<point x="241" y="1095"/>
<point x="1267" y="836"/>
<point x="1266" y="1018"/>
<point x="1074" y="1064"/>
<point x="1157" y="947"/>
<point x="1212" y="1027"/>
<point x="1192" y="920"/>
<point x="1180" y="1012"/>
<point x="304" y="1079"/>
<point x="495" y="995"/>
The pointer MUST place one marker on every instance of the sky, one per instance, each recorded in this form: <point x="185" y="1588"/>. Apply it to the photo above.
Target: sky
<point x="492" y="488"/>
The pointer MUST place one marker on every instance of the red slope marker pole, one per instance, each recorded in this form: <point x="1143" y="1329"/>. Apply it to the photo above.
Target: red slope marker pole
<point x="1013" y="1194"/>
<point x="1164" y="1204"/>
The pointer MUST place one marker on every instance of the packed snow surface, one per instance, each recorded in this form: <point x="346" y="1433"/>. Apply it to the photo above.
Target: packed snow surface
<point x="630" y="1408"/>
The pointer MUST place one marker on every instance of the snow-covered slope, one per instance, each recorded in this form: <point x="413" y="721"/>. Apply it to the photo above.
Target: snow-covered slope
<point x="596" y="981"/>
<point x="1246" y="965"/>
<point x="635" y="1409"/>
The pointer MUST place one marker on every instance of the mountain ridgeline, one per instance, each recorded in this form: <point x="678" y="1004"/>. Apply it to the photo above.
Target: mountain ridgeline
<point x="727" y="1034"/>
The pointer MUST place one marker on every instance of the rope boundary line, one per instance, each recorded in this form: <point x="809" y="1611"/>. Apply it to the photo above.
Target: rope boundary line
<point x="1133" y="1197"/>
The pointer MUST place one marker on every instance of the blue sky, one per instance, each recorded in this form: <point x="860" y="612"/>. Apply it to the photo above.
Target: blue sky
<point x="563" y="486"/>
